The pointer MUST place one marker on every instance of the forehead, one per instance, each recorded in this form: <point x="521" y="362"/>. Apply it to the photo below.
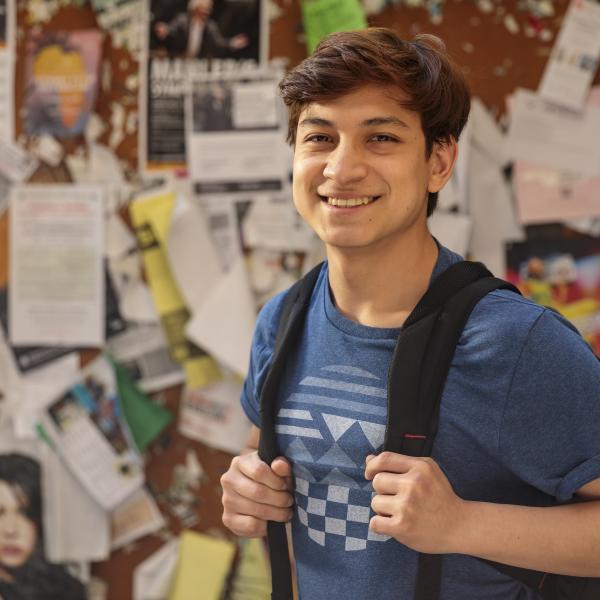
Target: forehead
<point x="364" y="103"/>
<point x="8" y="498"/>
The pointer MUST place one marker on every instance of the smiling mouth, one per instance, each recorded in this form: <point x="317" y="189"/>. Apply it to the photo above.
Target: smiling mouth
<point x="349" y="202"/>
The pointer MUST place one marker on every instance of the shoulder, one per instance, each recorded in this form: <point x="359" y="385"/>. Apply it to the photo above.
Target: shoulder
<point x="269" y="316"/>
<point x="508" y="313"/>
<point x="511" y="330"/>
<point x="542" y="344"/>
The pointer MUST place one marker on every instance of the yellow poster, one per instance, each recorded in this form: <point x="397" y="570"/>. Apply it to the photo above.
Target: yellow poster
<point x="203" y="566"/>
<point x="151" y="218"/>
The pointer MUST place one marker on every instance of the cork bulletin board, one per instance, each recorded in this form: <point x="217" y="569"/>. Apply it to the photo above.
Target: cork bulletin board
<point x="499" y="46"/>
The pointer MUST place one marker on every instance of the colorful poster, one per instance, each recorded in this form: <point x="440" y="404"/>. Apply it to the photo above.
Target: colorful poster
<point x="562" y="272"/>
<point x="61" y="71"/>
<point x="186" y="38"/>
<point x="88" y="430"/>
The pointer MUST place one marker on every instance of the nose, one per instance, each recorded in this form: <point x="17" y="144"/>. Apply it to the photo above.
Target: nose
<point x="345" y="165"/>
<point x="8" y="526"/>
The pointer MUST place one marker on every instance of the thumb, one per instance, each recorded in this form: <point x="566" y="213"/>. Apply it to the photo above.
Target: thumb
<point x="281" y="467"/>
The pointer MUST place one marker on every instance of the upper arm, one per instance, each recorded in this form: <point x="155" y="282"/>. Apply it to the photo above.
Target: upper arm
<point x="550" y="435"/>
<point x="590" y="491"/>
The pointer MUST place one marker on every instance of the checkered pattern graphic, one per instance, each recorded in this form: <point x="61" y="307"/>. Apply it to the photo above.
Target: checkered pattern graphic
<point x="333" y="514"/>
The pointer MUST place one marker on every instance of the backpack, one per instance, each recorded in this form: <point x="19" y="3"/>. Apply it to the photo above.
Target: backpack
<point x="426" y="344"/>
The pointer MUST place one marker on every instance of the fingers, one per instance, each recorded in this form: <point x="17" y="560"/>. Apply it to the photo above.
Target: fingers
<point x="382" y="525"/>
<point x="386" y="483"/>
<point x="262" y="494"/>
<point x="282" y="467"/>
<point x="245" y="526"/>
<point x="391" y="462"/>
<point x="237" y="504"/>
<point x="253" y="493"/>
<point x="252" y="467"/>
<point x="384" y="505"/>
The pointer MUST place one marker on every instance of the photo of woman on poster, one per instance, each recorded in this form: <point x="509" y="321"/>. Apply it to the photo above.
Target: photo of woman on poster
<point x="25" y="574"/>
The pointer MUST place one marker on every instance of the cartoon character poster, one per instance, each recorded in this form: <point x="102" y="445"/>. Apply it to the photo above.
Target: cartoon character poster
<point x="562" y="272"/>
<point x="61" y="75"/>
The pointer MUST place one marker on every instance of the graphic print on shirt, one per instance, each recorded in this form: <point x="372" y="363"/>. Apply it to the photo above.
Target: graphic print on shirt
<point x="326" y="429"/>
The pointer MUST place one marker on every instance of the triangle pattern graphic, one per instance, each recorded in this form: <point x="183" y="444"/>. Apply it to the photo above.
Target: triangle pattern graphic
<point x="336" y="457"/>
<point x="303" y="473"/>
<point x="338" y="425"/>
<point x="336" y="477"/>
<point x="374" y="433"/>
<point x="297" y="451"/>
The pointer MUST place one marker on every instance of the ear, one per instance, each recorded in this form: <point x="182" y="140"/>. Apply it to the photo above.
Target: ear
<point x="442" y="159"/>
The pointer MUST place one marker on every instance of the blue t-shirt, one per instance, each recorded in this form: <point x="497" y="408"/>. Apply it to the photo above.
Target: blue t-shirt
<point x="519" y="424"/>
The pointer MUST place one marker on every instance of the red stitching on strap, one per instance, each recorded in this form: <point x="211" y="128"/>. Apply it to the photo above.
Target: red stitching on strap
<point x="542" y="581"/>
<point x="414" y="436"/>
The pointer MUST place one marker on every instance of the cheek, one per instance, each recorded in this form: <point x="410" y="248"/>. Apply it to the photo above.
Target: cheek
<point x="27" y="534"/>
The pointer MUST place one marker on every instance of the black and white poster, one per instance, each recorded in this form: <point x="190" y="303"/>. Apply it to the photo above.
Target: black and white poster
<point x="186" y="38"/>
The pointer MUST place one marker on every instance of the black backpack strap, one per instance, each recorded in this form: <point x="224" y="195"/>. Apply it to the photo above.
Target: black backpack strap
<point x="293" y="313"/>
<point x="418" y="373"/>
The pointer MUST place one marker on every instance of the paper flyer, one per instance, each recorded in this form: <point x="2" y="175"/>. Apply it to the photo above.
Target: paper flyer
<point x="151" y="218"/>
<point x="88" y="430"/>
<point x="61" y="71"/>
<point x="184" y="39"/>
<point x="204" y="563"/>
<point x="136" y="517"/>
<point x="57" y="290"/>
<point x="322" y="17"/>
<point x="236" y="133"/>
<point x="575" y="56"/>
<point x="214" y="416"/>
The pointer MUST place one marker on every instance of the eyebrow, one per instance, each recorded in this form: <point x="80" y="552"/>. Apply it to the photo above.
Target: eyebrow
<point x="319" y="122"/>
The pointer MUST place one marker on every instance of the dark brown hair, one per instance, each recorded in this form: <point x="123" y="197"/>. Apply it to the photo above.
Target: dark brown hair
<point x="342" y="62"/>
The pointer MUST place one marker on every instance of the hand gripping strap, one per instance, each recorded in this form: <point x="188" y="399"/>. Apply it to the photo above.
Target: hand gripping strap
<point x="418" y="372"/>
<point x="291" y="320"/>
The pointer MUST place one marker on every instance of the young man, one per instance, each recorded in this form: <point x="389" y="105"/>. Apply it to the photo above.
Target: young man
<point x="374" y="121"/>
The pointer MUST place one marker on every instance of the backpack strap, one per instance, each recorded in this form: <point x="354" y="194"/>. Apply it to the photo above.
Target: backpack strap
<point x="418" y="373"/>
<point x="293" y="312"/>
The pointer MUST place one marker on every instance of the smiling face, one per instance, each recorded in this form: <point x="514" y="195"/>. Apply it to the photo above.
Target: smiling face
<point x="18" y="533"/>
<point x="361" y="174"/>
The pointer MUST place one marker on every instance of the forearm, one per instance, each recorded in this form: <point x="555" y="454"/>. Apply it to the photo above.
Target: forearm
<point x="561" y="539"/>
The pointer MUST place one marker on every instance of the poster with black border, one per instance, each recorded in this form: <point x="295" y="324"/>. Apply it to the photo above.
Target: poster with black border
<point x="184" y="38"/>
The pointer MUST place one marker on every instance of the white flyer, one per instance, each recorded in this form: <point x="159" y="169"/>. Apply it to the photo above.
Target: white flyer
<point x="553" y="136"/>
<point x="89" y="432"/>
<point x="235" y="126"/>
<point x="213" y="415"/>
<point x="56" y="293"/>
<point x="574" y="59"/>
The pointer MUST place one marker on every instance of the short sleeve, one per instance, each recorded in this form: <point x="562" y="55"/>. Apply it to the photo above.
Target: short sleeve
<point x="261" y="353"/>
<point x="550" y="431"/>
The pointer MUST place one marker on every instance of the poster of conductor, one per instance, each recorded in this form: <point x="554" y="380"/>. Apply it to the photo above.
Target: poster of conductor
<point x="564" y="273"/>
<point x="187" y="38"/>
<point x="61" y="75"/>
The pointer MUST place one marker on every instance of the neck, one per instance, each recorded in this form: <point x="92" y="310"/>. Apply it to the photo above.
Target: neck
<point x="380" y="286"/>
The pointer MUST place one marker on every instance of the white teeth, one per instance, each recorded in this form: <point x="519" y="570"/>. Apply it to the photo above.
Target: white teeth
<point x="350" y="202"/>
